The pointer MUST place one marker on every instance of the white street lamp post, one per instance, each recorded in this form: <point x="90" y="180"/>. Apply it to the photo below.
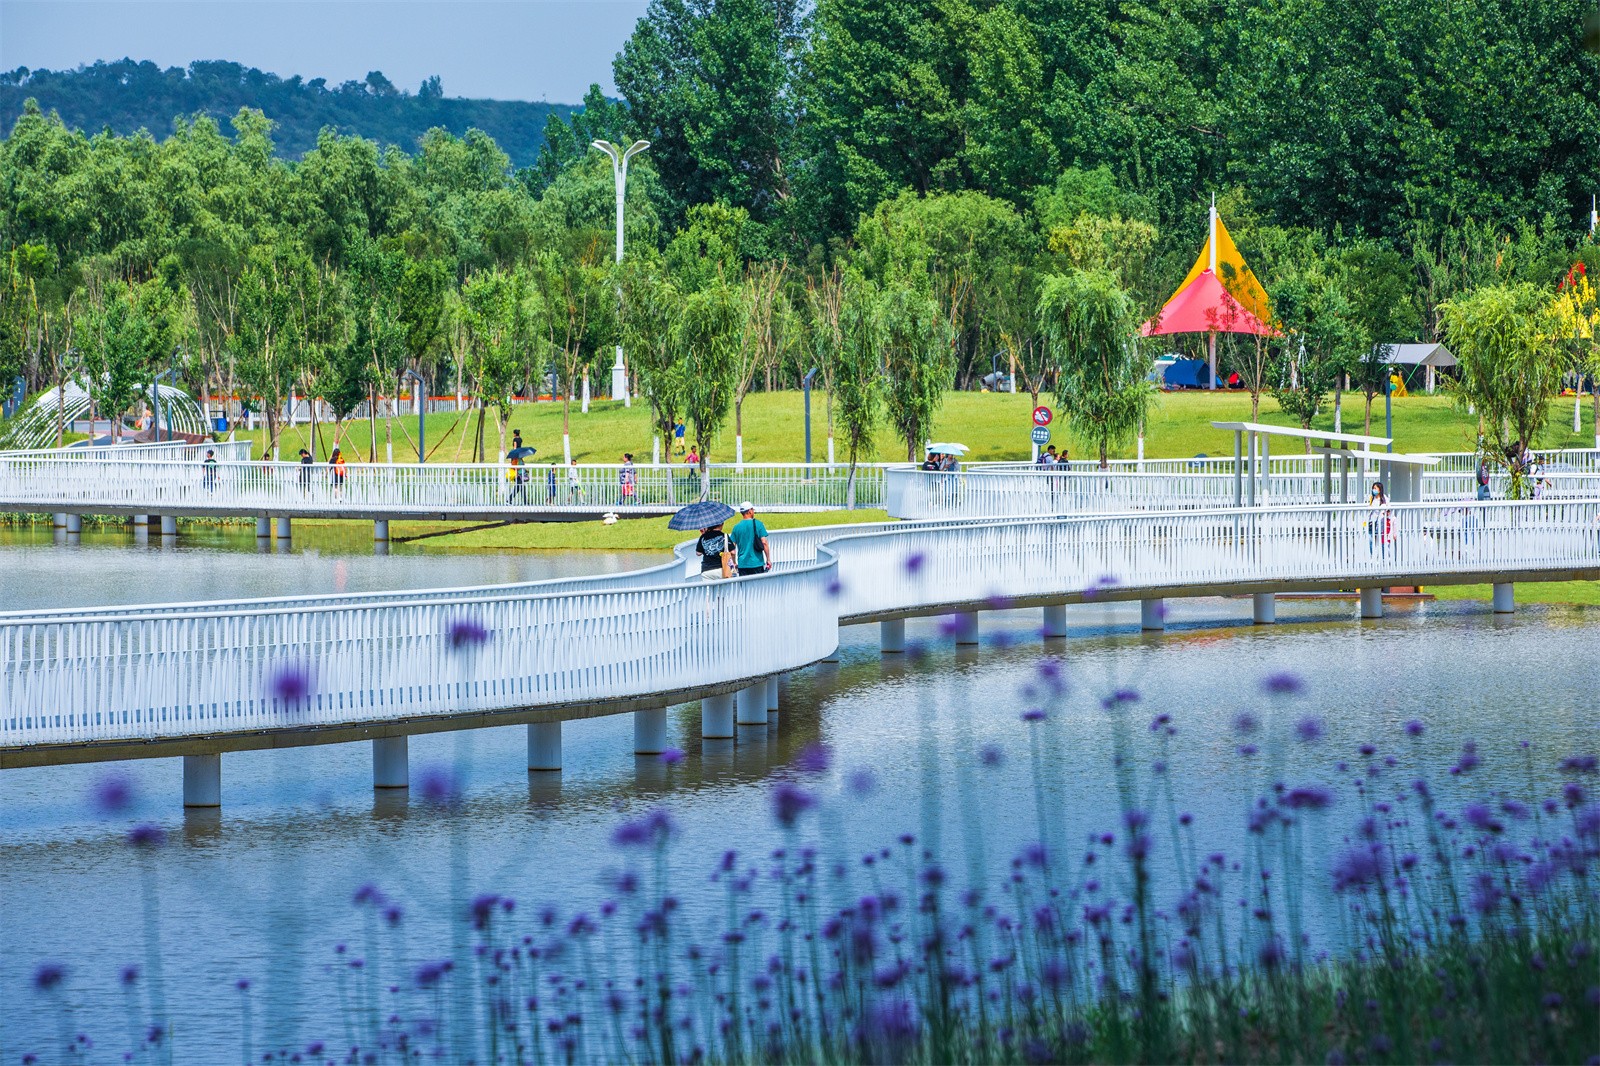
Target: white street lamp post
<point x="619" y="171"/>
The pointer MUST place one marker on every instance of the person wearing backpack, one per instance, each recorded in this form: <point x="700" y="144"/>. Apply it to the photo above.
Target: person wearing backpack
<point x="712" y="547"/>
<point x="1483" y="478"/>
<point x="750" y="544"/>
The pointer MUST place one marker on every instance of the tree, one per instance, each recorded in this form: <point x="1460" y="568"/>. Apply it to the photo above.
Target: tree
<point x="126" y="337"/>
<point x="825" y="298"/>
<point x="1100" y="370"/>
<point x="1319" y="338"/>
<point x="650" y="304"/>
<point x="762" y="301"/>
<point x="577" y="311"/>
<point x="495" y="309"/>
<point x="1381" y="291"/>
<point x="858" y="373"/>
<point x="1577" y="312"/>
<point x="918" y="361"/>
<point x="264" y="341"/>
<point x="1506" y="339"/>
<point x="707" y="332"/>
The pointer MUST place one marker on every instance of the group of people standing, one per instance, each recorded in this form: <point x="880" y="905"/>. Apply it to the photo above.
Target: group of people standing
<point x="746" y="550"/>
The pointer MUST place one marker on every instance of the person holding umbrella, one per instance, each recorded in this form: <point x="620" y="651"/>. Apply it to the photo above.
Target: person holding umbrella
<point x="518" y="457"/>
<point x="708" y="516"/>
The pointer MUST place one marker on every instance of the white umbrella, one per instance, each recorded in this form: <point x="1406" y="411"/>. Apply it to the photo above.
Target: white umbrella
<point x="948" y="449"/>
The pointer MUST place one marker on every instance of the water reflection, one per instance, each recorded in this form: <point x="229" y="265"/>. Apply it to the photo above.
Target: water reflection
<point x="262" y="889"/>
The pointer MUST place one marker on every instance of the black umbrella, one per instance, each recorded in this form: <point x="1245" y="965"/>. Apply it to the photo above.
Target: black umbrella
<point x="702" y="515"/>
<point x="520" y="454"/>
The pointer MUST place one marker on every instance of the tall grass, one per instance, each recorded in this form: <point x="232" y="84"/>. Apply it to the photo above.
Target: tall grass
<point x="1363" y="920"/>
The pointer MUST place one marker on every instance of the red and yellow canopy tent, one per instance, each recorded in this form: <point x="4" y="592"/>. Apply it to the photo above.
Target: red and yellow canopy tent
<point x="1219" y="295"/>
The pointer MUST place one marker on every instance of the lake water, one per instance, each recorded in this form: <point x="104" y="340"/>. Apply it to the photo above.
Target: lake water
<point x="262" y="890"/>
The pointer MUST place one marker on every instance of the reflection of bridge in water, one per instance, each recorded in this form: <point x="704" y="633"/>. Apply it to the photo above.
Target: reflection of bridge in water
<point x="198" y="680"/>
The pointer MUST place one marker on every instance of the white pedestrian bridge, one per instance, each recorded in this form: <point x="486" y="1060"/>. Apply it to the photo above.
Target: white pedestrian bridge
<point x="201" y="679"/>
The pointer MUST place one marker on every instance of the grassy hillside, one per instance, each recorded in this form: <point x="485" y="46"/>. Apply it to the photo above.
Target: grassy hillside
<point x="995" y="426"/>
<point x="129" y="96"/>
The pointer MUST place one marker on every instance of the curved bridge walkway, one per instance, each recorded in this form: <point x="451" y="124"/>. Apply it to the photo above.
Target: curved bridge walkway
<point x="201" y="679"/>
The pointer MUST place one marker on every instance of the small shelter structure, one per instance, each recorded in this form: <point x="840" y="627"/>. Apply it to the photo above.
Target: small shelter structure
<point x="1428" y="356"/>
<point x="1219" y="295"/>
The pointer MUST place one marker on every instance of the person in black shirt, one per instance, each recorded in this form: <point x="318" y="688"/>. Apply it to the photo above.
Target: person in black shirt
<point x="712" y="547"/>
<point x="305" y="472"/>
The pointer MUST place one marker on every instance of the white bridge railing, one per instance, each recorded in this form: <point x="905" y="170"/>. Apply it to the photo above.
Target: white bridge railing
<point x="49" y="482"/>
<point x="984" y="490"/>
<point x="102" y="675"/>
<point x="227" y="451"/>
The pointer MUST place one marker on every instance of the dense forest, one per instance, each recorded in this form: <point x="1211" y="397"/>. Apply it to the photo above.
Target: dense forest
<point x="908" y="196"/>
<point x="126" y="97"/>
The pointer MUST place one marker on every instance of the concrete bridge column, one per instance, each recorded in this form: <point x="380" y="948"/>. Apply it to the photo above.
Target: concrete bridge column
<point x="1153" y="615"/>
<point x="1264" y="608"/>
<point x="751" y="704"/>
<point x="544" y="746"/>
<point x="892" y="636"/>
<point x="966" y="626"/>
<point x="284" y="531"/>
<point x="650" y="731"/>
<point x="390" y="768"/>
<point x="169" y="525"/>
<point x="1372" y="603"/>
<point x="772" y="693"/>
<point x="74" y="523"/>
<point x="59" y="521"/>
<point x="202" y="780"/>
<point x="1055" y="620"/>
<point x="380" y="537"/>
<point x="716" y="717"/>
<point x="1505" y="598"/>
<point x="141" y="521"/>
<point x="263" y="529"/>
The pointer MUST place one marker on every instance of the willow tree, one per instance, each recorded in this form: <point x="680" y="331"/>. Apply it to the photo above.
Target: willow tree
<point x="1093" y="335"/>
<point x="650" y="304"/>
<point x="707" y="332"/>
<point x="858" y="382"/>
<point x="918" y="360"/>
<point x="1507" y="341"/>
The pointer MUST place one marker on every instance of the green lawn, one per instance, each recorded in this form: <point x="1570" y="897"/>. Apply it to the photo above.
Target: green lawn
<point x="1579" y="592"/>
<point x="642" y="534"/>
<point x="994" y="425"/>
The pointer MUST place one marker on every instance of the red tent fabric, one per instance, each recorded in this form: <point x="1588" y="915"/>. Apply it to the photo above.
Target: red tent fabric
<point x="1205" y="306"/>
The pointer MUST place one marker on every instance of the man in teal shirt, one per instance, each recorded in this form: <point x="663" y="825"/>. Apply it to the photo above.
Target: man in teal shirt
<point x="752" y="548"/>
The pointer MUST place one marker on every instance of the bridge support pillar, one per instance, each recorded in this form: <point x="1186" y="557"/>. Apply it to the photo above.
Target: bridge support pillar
<point x="1505" y="598"/>
<point x="74" y="523"/>
<point x="141" y="521"/>
<point x="751" y="704"/>
<point x="892" y="636"/>
<point x="772" y="693"/>
<point x="544" y="746"/>
<point x="650" y="731"/>
<point x="59" y="521"/>
<point x="284" y="531"/>
<point x="1153" y="615"/>
<point x="1055" y="620"/>
<point x="390" y="766"/>
<point x="202" y="780"/>
<point x="716" y="717"/>
<point x="263" y="529"/>
<point x="1372" y="603"/>
<point x="169" y="525"/>
<point x="966" y="627"/>
<point x="1264" y="608"/>
<point x="380" y="537"/>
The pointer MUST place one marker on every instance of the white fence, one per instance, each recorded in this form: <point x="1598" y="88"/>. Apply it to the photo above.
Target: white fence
<point x="49" y="482"/>
<point x="217" y="668"/>
<point x="227" y="451"/>
<point x="989" y="491"/>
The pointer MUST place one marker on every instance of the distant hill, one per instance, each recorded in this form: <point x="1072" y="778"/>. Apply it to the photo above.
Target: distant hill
<point x="128" y="96"/>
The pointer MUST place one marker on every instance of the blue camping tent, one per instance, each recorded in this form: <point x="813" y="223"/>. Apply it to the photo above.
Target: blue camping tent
<point x="1187" y="374"/>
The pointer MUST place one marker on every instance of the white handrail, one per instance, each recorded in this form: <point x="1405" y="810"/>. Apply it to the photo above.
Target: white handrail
<point x="100" y="675"/>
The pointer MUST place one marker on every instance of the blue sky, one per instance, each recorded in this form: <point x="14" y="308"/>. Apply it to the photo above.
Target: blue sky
<point x="509" y="50"/>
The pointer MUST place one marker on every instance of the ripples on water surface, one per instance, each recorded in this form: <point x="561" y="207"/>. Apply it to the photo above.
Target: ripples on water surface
<point x="262" y="889"/>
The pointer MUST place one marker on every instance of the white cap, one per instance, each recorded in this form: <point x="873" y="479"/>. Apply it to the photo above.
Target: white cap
<point x="746" y="506"/>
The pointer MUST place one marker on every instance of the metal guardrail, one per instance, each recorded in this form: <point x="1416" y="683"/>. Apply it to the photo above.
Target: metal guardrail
<point x="984" y="490"/>
<point x="98" y="675"/>
<point x="46" y="483"/>
<point x="227" y="451"/>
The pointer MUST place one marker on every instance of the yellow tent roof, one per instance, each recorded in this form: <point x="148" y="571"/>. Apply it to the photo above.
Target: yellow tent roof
<point x="1238" y="279"/>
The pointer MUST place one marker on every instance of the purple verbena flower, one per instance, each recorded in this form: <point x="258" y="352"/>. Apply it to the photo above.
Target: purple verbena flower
<point x="672" y="756"/>
<point x="1309" y="730"/>
<point x="48" y="975"/>
<point x="652" y="829"/>
<point x="467" y="633"/>
<point x="992" y="756"/>
<point x="814" y="758"/>
<point x="1283" y="684"/>
<point x="113" y="792"/>
<point x="790" y="801"/>
<point x="147" y="836"/>
<point x="291" y="684"/>
<point x="1414" y="728"/>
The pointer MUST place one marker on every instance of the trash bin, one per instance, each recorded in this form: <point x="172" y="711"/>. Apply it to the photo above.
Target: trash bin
<point x="221" y="423"/>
